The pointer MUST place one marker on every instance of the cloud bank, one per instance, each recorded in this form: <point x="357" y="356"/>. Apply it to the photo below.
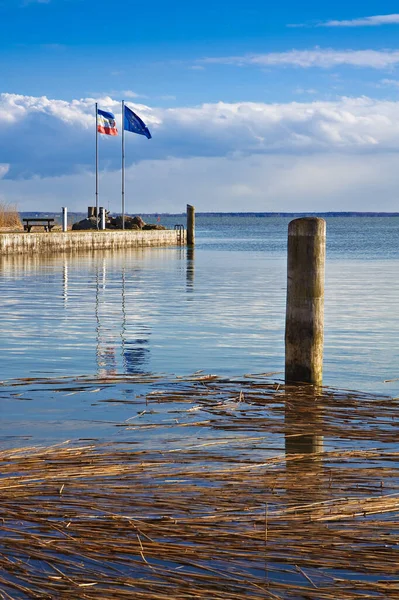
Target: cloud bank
<point x="242" y="156"/>
<point x="334" y="182"/>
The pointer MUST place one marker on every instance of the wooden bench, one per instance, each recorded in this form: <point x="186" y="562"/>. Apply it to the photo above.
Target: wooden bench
<point x="30" y="222"/>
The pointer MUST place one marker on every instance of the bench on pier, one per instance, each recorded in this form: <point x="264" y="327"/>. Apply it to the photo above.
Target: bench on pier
<point x="30" y="222"/>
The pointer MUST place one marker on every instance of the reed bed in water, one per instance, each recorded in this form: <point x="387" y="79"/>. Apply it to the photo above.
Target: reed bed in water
<point x="254" y="507"/>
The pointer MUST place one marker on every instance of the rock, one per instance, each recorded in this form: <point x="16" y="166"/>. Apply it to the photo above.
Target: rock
<point x="150" y="226"/>
<point x="113" y="223"/>
<point x="89" y="223"/>
<point x="138" y="221"/>
<point x="130" y="222"/>
<point x="130" y="225"/>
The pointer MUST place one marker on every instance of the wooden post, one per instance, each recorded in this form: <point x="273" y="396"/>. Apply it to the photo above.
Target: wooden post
<point x="102" y="218"/>
<point x="64" y="218"/>
<point x="304" y="326"/>
<point x="190" y="225"/>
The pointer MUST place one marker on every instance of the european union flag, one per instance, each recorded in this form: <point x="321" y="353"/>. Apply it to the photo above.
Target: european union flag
<point x="133" y="123"/>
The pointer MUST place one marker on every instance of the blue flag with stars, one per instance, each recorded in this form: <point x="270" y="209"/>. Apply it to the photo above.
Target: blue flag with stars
<point x="133" y="123"/>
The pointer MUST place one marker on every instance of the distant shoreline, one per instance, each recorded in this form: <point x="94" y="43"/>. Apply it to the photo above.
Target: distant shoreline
<point x="297" y="214"/>
<point x="236" y="214"/>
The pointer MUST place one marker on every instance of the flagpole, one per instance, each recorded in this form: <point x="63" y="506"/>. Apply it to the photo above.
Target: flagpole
<point x="123" y="164"/>
<point x="97" y="163"/>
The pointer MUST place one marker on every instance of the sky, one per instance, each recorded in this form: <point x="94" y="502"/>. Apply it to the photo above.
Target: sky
<point x="252" y="106"/>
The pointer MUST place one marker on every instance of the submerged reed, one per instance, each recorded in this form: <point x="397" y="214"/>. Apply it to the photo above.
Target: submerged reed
<point x="226" y="513"/>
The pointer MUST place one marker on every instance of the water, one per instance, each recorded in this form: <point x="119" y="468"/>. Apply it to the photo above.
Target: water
<point x="76" y="326"/>
<point x="220" y="308"/>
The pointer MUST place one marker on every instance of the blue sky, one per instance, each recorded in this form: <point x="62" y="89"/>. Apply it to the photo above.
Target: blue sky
<point x="252" y="106"/>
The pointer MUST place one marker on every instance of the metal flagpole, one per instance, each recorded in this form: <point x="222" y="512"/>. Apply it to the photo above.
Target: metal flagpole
<point x="97" y="163"/>
<point x="123" y="164"/>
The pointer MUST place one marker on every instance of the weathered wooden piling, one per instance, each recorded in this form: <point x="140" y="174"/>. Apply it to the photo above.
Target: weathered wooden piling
<point x="304" y="326"/>
<point x="190" y="225"/>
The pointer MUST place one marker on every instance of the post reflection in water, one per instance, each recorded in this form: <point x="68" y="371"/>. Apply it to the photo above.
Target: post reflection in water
<point x="304" y="446"/>
<point x="124" y="321"/>
<point x="113" y="334"/>
<point x="190" y="270"/>
<point x="65" y="281"/>
<point x="105" y="342"/>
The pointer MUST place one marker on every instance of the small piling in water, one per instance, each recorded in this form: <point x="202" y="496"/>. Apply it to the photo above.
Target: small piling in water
<point x="304" y="328"/>
<point x="190" y="225"/>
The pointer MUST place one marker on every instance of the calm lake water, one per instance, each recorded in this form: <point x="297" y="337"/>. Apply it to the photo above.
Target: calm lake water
<point x="220" y="308"/>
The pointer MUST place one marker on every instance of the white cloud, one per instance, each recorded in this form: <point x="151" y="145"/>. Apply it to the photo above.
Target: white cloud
<point x="364" y="21"/>
<point x="117" y="95"/>
<point x="21" y="3"/>
<point x="123" y="94"/>
<point x="41" y="136"/>
<point x="17" y="107"/>
<point x="318" y="57"/>
<point x="4" y="168"/>
<point x="26" y="2"/>
<point x="131" y="94"/>
<point x="301" y="91"/>
<point x="242" y="156"/>
<point x="390" y="82"/>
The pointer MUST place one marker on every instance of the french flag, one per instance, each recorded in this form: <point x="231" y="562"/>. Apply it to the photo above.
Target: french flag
<point x="106" y="123"/>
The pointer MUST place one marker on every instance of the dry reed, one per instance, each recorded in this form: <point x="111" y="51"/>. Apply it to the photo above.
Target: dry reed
<point x="9" y="216"/>
<point x="225" y="514"/>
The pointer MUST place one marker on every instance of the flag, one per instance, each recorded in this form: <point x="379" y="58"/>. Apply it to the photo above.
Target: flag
<point x="106" y="123"/>
<point x="133" y="123"/>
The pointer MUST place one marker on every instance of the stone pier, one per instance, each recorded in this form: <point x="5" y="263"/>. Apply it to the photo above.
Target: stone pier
<point x="71" y="241"/>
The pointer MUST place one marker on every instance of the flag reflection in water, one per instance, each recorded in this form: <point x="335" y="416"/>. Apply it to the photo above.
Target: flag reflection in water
<point x="114" y="333"/>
